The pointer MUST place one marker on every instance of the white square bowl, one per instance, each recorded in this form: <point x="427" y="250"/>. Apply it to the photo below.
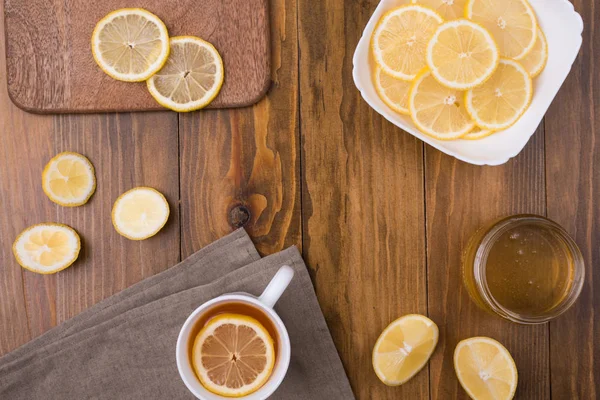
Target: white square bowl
<point x="563" y="28"/>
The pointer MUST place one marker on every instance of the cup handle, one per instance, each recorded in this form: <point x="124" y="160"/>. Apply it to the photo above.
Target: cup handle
<point x="277" y="286"/>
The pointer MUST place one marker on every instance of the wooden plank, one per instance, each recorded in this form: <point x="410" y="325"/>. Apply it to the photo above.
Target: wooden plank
<point x="461" y="198"/>
<point x="573" y="185"/>
<point x="241" y="167"/>
<point x="363" y="200"/>
<point x="51" y="68"/>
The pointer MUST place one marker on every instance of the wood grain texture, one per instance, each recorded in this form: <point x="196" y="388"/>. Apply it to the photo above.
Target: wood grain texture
<point x="573" y="188"/>
<point x="241" y="167"/>
<point x="462" y="198"/>
<point x="51" y="68"/>
<point x="363" y="200"/>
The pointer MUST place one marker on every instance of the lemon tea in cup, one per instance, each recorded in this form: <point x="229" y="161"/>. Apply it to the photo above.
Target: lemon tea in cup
<point x="525" y="268"/>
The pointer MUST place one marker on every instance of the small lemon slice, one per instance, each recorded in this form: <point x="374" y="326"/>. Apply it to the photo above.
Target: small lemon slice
<point x="393" y="91"/>
<point x="485" y="369"/>
<point x="478" y="133"/>
<point x="400" y="39"/>
<point x="47" y="248"/>
<point x="192" y="76"/>
<point x="511" y="22"/>
<point x="500" y="102"/>
<point x="462" y="54"/>
<point x="438" y="111"/>
<point x="233" y="355"/>
<point x="536" y="60"/>
<point x="140" y="213"/>
<point x="130" y="44"/>
<point x="448" y="9"/>
<point x="403" y="348"/>
<point x="68" y="179"/>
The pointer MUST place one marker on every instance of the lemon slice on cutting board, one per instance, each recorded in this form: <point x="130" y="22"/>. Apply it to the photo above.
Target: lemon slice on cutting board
<point x="500" y="102"/>
<point x="192" y="76"/>
<point x="140" y="213"/>
<point x="393" y="91"/>
<point x="462" y="54"/>
<point x="233" y="355"/>
<point x="130" y="44"/>
<point x="400" y="40"/>
<point x="448" y="9"/>
<point x="536" y="60"/>
<point x="485" y="369"/>
<point x="47" y="248"/>
<point x="511" y="22"/>
<point x="438" y="111"/>
<point x="68" y="179"/>
<point x="403" y="348"/>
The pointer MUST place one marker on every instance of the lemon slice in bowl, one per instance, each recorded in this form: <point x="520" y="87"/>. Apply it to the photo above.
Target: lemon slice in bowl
<point x="140" y="213"/>
<point x="130" y="44"/>
<point x="485" y="369"/>
<point x="536" y="60"/>
<point x="502" y="100"/>
<point x="448" y="9"/>
<point x="393" y="91"/>
<point x="68" y="179"/>
<point x="462" y="54"/>
<point x="400" y="40"/>
<point x="192" y="76"/>
<point x="233" y="355"/>
<point x="478" y="133"/>
<point x="438" y="111"/>
<point x="403" y="348"/>
<point x="47" y="248"/>
<point x="511" y="22"/>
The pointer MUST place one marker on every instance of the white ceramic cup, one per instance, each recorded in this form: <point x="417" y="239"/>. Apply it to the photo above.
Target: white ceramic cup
<point x="265" y="303"/>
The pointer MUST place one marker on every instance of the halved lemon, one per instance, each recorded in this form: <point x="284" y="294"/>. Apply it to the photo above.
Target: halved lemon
<point x="511" y="22"/>
<point x="140" y="213"/>
<point x="68" y="179"/>
<point x="448" y="9"/>
<point x="438" y="111"/>
<point x="47" y="248"/>
<point x="403" y="348"/>
<point x="536" y="60"/>
<point x="400" y="39"/>
<point x="485" y="369"/>
<point x="233" y="355"/>
<point x="393" y="91"/>
<point x="462" y="54"/>
<point x="500" y="102"/>
<point x="130" y="44"/>
<point x="478" y="133"/>
<point x="192" y="76"/>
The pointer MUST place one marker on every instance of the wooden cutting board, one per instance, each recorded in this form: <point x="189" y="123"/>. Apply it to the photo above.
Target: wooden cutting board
<point x="50" y="67"/>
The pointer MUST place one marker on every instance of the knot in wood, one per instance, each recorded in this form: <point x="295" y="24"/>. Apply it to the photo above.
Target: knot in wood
<point x="238" y="216"/>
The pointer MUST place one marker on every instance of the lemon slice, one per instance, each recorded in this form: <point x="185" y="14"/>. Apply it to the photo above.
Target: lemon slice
<point x="462" y="54"/>
<point x="448" y="9"/>
<point x="192" y="76"/>
<point x="130" y="44"/>
<point x="511" y="22"/>
<point x="501" y="101"/>
<point x="140" y="213"/>
<point x="68" y="179"/>
<point x="47" y="248"/>
<point x="536" y="60"/>
<point x="233" y="355"/>
<point x="478" y="133"/>
<point x="400" y="39"/>
<point x="394" y="92"/>
<point x="403" y="348"/>
<point x="438" y="111"/>
<point x="485" y="369"/>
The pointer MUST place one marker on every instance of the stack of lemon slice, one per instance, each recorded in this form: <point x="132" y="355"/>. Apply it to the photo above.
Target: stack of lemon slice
<point x="460" y="69"/>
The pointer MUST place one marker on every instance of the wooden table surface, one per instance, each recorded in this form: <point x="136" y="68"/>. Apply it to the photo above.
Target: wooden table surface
<point x="380" y="217"/>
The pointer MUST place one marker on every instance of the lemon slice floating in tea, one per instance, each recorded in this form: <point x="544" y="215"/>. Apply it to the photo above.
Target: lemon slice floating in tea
<point x="130" y="44"/>
<point x="233" y="355"/>
<point x="47" y="248"/>
<point x="192" y="76"/>
<point x="68" y="179"/>
<point x="140" y="213"/>
<point x="404" y="348"/>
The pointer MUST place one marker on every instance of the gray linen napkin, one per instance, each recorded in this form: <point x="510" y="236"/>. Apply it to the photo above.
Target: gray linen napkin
<point x="124" y="347"/>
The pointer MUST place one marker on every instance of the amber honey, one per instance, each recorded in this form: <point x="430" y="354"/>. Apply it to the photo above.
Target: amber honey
<point x="525" y="268"/>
